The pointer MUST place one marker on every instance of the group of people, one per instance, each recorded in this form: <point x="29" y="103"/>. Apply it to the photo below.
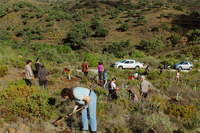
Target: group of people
<point x="41" y="73"/>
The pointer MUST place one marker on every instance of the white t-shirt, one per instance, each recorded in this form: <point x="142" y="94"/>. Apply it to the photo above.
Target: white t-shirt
<point x="135" y="75"/>
<point x="112" y="86"/>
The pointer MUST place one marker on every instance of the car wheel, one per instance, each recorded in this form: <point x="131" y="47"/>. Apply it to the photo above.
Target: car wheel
<point x="120" y="67"/>
<point x="190" y="68"/>
<point x="180" y="68"/>
<point x="137" y="67"/>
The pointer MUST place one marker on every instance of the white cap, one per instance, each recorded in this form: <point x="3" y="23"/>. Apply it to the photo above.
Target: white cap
<point x="143" y="77"/>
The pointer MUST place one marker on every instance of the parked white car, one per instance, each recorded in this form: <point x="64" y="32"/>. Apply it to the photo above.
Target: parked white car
<point x="127" y="63"/>
<point x="183" y="65"/>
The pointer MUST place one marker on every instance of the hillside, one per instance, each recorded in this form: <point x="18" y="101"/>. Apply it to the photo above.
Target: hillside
<point x="51" y="23"/>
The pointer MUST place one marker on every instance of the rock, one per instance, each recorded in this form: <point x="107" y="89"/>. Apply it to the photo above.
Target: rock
<point x="11" y="130"/>
<point x="20" y="131"/>
<point x="22" y="125"/>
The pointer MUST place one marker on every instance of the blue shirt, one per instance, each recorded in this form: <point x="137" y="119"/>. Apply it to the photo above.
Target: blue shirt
<point x="105" y="76"/>
<point x="79" y="93"/>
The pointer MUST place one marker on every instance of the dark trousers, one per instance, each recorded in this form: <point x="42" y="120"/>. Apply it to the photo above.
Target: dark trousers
<point x="113" y="94"/>
<point x="145" y="94"/>
<point x="100" y="75"/>
<point x="43" y="83"/>
<point x="85" y="74"/>
<point x="30" y="82"/>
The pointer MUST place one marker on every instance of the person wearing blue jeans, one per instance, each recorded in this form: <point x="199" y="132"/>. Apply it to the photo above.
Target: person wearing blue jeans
<point x="87" y="98"/>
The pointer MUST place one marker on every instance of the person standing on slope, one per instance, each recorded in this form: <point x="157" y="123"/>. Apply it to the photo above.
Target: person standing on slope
<point x="85" y="68"/>
<point x="144" y="86"/>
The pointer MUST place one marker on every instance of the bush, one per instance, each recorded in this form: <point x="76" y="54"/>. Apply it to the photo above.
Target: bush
<point x="26" y="101"/>
<point x="138" y="54"/>
<point x="170" y="15"/>
<point x="8" y="28"/>
<point x="156" y="28"/>
<point x="91" y="60"/>
<point x="125" y="26"/>
<point x="50" y="54"/>
<point x="174" y="39"/>
<point x="3" y="70"/>
<point x="176" y="28"/>
<point x="18" y="82"/>
<point x="193" y="35"/>
<point x="119" y="21"/>
<point x="4" y="35"/>
<point x="25" y="14"/>
<point x="195" y="13"/>
<point x="154" y="44"/>
<point x="162" y="15"/>
<point x="67" y="49"/>
<point x="50" y="24"/>
<point x="100" y="32"/>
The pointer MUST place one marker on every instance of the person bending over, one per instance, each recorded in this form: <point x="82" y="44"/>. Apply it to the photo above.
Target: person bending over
<point x="87" y="98"/>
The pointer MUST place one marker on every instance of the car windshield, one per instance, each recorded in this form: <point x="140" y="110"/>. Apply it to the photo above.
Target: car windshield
<point x="181" y="62"/>
<point x="191" y="63"/>
<point x="123" y="61"/>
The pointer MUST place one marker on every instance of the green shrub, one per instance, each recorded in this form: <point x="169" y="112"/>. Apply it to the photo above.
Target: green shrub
<point x="154" y="44"/>
<point x="119" y="21"/>
<point x="26" y="101"/>
<point x="67" y="49"/>
<point x="125" y="26"/>
<point x="50" y="54"/>
<point x="25" y="14"/>
<point x="100" y="32"/>
<point x="99" y="92"/>
<point x="8" y="27"/>
<point x="174" y="39"/>
<point x="4" y="35"/>
<point x="156" y="28"/>
<point x="56" y="75"/>
<point x="91" y="60"/>
<point x="162" y="15"/>
<point x="177" y="28"/>
<point x="3" y="70"/>
<point x="50" y="24"/>
<point x="18" y="82"/>
<point x="138" y="54"/>
<point x="170" y="15"/>
<point x="15" y="9"/>
<point x="195" y="13"/>
<point x="153" y="75"/>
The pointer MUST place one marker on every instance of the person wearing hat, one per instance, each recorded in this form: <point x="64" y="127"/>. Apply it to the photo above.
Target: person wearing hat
<point x="144" y="86"/>
<point x="66" y="70"/>
<point x="42" y="74"/>
<point x="85" y="68"/>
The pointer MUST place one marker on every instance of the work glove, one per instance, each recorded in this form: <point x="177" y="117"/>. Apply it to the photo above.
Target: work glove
<point x="74" y="110"/>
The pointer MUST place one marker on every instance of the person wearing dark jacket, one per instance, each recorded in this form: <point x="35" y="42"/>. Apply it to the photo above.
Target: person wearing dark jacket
<point x="37" y="66"/>
<point x="42" y="74"/>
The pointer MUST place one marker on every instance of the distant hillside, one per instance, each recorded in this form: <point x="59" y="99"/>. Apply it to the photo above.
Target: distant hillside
<point x="118" y="27"/>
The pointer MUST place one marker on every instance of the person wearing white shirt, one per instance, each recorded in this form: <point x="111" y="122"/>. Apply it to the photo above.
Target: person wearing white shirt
<point x="112" y="89"/>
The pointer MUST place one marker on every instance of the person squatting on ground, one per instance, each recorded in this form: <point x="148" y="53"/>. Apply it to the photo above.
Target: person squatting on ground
<point x="105" y="77"/>
<point x="133" y="77"/>
<point x="113" y="89"/>
<point x="85" y="68"/>
<point x="88" y="99"/>
<point x="37" y="66"/>
<point x="29" y="74"/>
<point x="100" y="70"/>
<point x="42" y="75"/>
<point x="66" y="70"/>
<point x="177" y="76"/>
<point x="144" y="86"/>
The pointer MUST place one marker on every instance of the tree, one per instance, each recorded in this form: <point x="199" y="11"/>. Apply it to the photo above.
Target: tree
<point x="170" y="15"/>
<point x="193" y="35"/>
<point x="91" y="60"/>
<point x="154" y="44"/>
<point x="174" y="39"/>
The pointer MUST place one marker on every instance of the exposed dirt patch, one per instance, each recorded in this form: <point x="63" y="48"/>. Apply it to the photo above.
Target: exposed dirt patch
<point x="73" y="79"/>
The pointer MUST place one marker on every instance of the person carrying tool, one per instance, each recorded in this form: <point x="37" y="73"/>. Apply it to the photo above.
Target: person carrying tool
<point x="87" y="98"/>
<point x="144" y="86"/>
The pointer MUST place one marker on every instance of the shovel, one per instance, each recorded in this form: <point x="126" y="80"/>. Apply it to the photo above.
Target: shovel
<point x="58" y="121"/>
